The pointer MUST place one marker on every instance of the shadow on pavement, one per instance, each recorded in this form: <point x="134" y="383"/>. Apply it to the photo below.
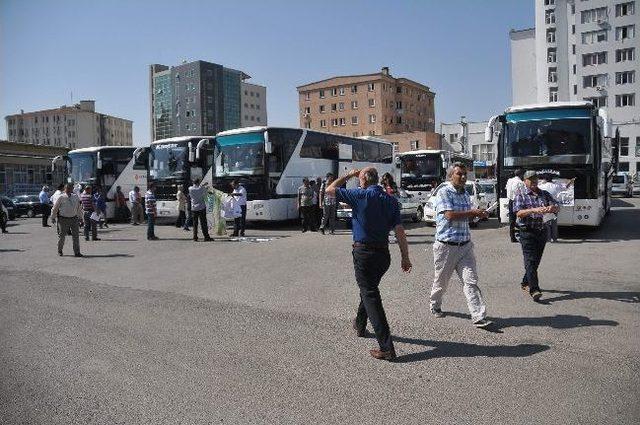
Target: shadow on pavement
<point x="625" y="297"/>
<point x="461" y="349"/>
<point x="559" y="321"/>
<point x="617" y="202"/>
<point x="11" y="250"/>
<point x="119" y="240"/>
<point x="18" y="233"/>
<point x="107" y="255"/>
<point x="620" y="225"/>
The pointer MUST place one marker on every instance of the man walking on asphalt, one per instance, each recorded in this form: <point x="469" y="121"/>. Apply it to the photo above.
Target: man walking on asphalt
<point x="46" y="207"/>
<point x="530" y="207"/>
<point x="67" y="210"/>
<point x="453" y="249"/>
<point x="150" y="207"/>
<point x="197" y="193"/>
<point x="88" y="208"/>
<point x="137" y="215"/>
<point x="374" y="214"/>
<point x="514" y="186"/>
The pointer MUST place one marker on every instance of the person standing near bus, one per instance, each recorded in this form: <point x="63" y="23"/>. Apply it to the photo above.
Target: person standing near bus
<point x="550" y="219"/>
<point x="374" y="215"/>
<point x="152" y="213"/>
<point x="45" y="204"/>
<point x="530" y="207"/>
<point x="197" y="193"/>
<point x="122" y="212"/>
<point x="137" y="215"/>
<point x="328" y="203"/>
<point x="88" y="209"/>
<point x="240" y="195"/>
<point x="389" y="184"/>
<point x="67" y="212"/>
<point x="182" y="209"/>
<point x="453" y="249"/>
<point x="101" y="206"/>
<point x="305" y="205"/>
<point x="514" y="186"/>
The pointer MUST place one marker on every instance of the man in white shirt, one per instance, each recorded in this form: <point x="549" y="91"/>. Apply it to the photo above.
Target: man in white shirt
<point x="551" y="219"/>
<point x="515" y="185"/>
<point x="68" y="211"/>
<point x="137" y="215"/>
<point x="240" y="194"/>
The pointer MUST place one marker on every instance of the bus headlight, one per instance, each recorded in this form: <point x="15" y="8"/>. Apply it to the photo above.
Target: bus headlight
<point x="586" y="217"/>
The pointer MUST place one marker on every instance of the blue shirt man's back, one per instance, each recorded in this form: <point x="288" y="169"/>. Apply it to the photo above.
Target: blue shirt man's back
<point x="374" y="213"/>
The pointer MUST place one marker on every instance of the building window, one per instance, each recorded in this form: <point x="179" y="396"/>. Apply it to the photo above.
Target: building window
<point x="549" y="16"/>
<point x="372" y="118"/>
<point x="323" y="123"/>
<point x="549" y="2"/>
<point x="593" y="15"/>
<point x="551" y="35"/>
<point x="354" y="88"/>
<point x="334" y="107"/>
<point x="553" y="94"/>
<point x="334" y="122"/>
<point x="624" y="146"/>
<point x="575" y="89"/>
<point x="321" y="109"/>
<point x="623" y="55"/>
<point x="399" y="104"/>
<point x="342" y="121"/>
<point x="341" y="91"/>
<point x="597" y="58"/>
<point x="307" y="110"/>
<point x="626" y="32"/>
<point x="593" y="37"/>
<point x="372" y="103"/>
<point x="626" y="77"/>
<point x="637" y="151"/>
<point x="551" y="55"/>
<point x="574" y="69"/>
<point x="371" y="86"/>
<point x="307" y="96"/>
<point x="354" y="104"/>
<point x="598" y="80"/>
<point x="625" y="100"/>
<point x="341" y="106"/>
<point x="415" y="145"/>
<point x="398" y="120"/>
<point x="553" y="75"/>
<point x="624" y="9"/>
<point x="573" y="28"/>
<point x="354" y="120"/>
<point x="334" y="91"/>
<point x="573" y="49"/>
<point x="321" y="93"/>
<point x="372" y="132"/>
<point x="623" y="167"/>
<point x="306" y="125"/>
<point x="257" y="94"/>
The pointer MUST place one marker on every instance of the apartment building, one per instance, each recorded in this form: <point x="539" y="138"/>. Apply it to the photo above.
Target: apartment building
<point x="72" y="127"/>
<point x="469" y="137"/>
<point x="367" y="105"/>
<point x="196" y="98"/>
<point x="253" y="109"/>
<point x="583" y="50"/>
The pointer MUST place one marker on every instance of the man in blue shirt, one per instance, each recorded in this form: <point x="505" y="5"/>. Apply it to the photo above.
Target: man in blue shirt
<point x="453" y="249"/>
<point x="46" y="205"/>
<point x="374" y="214"/>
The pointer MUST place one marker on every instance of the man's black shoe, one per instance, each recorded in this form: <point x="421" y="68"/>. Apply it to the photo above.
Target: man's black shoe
<point x="383" y="355"/>
<point x="78" y="255"/>
<point x="360" y="332"/>
<point x="208" y="239"/>
<point x="60" y="253"/>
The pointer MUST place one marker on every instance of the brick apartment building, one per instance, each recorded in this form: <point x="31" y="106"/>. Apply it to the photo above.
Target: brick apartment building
<point x="397" y="109"/>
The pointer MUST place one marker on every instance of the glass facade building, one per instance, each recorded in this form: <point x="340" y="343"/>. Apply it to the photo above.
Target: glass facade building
<point x="231" y="98"/>
<point x="162" y="105"/>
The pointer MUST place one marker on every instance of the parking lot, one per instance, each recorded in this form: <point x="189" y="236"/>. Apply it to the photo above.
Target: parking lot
<point x="258" y="330"/>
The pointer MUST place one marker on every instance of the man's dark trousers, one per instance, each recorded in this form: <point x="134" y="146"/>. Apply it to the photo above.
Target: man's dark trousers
<point x="151" y="221"/>
<point x="46" y="212"/>
<point x="533" y="242"/>
<point x="370" y="264"/>
<point x="307" y="218"/>
<point x="512" y="222"/>
<point x="202" y="217"/>
<point x="239" y="222"/>
<point x="90" y="225"/>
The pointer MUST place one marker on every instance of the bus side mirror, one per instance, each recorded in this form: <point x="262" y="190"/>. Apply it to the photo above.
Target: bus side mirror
<point x="192" y="154"/>
<point x="397" y="162"/>
<point x="268" y="147"/>
<point x="141" y="156"/>
<point x="99" y="161"/>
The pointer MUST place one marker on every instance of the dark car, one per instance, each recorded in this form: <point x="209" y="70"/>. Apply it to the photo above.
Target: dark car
<point x="9" y="206"/>
<point x="28" y="205"/>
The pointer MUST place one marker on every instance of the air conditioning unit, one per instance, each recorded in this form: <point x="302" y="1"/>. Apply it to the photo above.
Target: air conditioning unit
<point x="602" y="21"/>
<point x="600" y="88"/>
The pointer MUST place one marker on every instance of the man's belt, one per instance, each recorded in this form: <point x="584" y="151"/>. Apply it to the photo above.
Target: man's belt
<point x="454" y="243"/>
<point x="371" y="245"/>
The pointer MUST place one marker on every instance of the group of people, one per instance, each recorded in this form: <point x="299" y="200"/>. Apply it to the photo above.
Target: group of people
<point x="375" y="212"/>
<point x="317" y="209"/>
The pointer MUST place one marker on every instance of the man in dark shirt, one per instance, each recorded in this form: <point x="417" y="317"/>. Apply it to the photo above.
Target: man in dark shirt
<point x="529" y="207"/>
<point x="374" y="214"/>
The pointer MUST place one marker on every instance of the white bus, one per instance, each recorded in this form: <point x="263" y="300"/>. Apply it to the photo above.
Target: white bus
<point x="271" y="163"/>
<point x="569" y="141"/>
<point x="104" y="166"/>
<point x="421" y="171"/>
<point x="175" y="162"/>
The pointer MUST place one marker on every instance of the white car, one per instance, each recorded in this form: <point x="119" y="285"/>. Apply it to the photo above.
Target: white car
<point x="476" y="194"/>
<point x="489" y="192"/>
<point x="410" y="209"/>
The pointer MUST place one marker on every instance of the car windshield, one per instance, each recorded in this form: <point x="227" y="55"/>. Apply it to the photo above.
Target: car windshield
<point x="557" y="141"/>
<point x="167" y="160"/>
<point x="420" y="165"/>
<point x="618" y="179"/>
<point x="487" y="188"/>
<point x="240" y="155"/>
<point x="82" y="167"/>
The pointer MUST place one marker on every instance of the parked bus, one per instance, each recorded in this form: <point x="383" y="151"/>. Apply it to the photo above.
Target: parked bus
<point x="571" y="141"/>
<point x="421" y="171"/>
<point x="174" y="163"/>
<point x="104" y="166"/>
<point x="271" y="163"/>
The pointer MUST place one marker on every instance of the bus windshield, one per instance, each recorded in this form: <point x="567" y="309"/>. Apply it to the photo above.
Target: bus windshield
<point x="167" y="160"/>
<point x="82" y="167"/>
<point x="420" y="166"/>
<point x="559" y="141"/>
<point x="240" y="155"/>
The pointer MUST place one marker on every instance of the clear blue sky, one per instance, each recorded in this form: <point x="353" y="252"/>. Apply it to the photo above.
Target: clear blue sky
<point x="101" y="50"/>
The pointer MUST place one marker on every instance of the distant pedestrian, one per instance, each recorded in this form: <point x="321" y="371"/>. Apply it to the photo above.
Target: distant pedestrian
<point x="240" y="195"/>
<point x="514" y="186"/>
<point x="453" y="249"/>
<point x="198" y="193"/>
<point x="150" y="207"/>
<point x="101" y="206"/>
<point x="389" y="184"/>
<point x="137" y="214"/>
<point x="59" y="191"/>
<point x="89" y="211"/>
<point x="122" y="212"/>
<point x="328" y="202"/>
<point x="4" y="218"/>
<point x="375" y="214"/>
<point x="181" y="198"/>
<point x="67" y="211"/>
<point x="305" y="205"/>
<point x="45" y="204"/>
<point x="530" y="207"/>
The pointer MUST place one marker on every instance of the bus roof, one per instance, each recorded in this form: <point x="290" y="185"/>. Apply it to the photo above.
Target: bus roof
<point x="256" y="129"/>
<point x="100" y="148"/>
<point x="553" y="105"/>
<point x="181" y="139"/>
<point x="422" y="152"/>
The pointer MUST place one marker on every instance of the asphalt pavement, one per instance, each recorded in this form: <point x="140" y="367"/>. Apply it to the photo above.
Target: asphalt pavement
<point x="258" y="331"/>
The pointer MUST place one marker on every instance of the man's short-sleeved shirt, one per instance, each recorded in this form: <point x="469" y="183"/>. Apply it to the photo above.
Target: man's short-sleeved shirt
<point x="449" y="198"/>
<point x="373" y="213"/>
<point x="197" y="195"/>
<point x="305" y="193"/>
<point x="528" y="200"/>
<point x="242" y="192"/>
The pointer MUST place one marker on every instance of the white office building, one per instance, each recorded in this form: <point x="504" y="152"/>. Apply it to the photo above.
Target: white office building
<point x="253" y="105"/>
<point x="469" y="137"/>
<point x="583" y="50"/>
